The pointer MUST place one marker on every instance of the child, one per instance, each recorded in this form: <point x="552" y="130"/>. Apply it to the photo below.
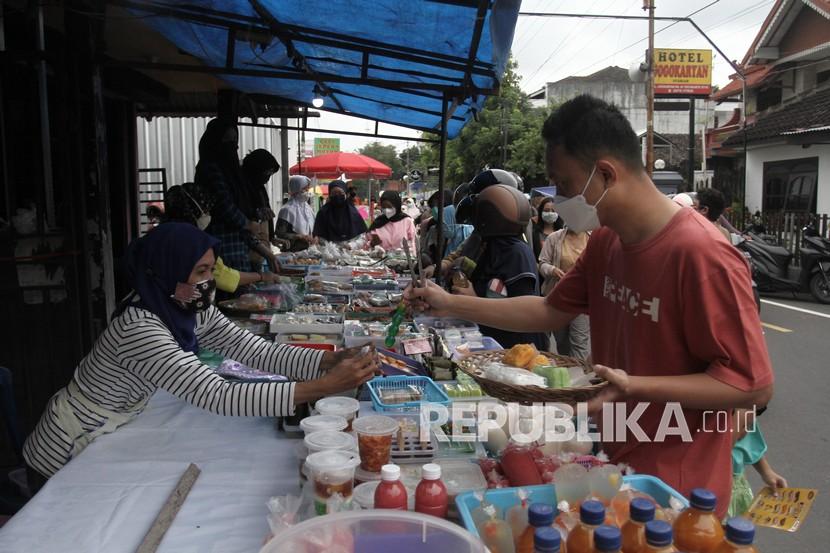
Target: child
<point x="749" y="449"/>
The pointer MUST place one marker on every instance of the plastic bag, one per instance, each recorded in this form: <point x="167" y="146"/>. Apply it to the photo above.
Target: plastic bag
<point x="283" y="512"/>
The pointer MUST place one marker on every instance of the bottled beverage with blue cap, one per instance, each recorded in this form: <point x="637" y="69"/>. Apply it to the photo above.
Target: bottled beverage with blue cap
<point x="539" y="515"/>
<point x="659" y="537"/>
<point x="697" y="529"/>
<point x="591" y="517"/>
<point x="740" y="533"/>
<point x="607" y="539"/>
<point x="633" y="531"/>
<point x="547" y="540"/>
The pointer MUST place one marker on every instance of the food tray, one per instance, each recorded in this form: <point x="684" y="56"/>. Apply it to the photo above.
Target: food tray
<point x="489" y="344"/>
<point x="393" y="364"/>
<point x="412" y="451"/>
<point x="504" y="498"/>
<point x="430" y="392"/>
<point x="473" y="365"/>
<point x="280" y="325"/>
<point x="440" y="324"/>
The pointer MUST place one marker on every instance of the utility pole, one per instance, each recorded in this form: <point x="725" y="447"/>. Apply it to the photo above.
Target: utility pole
<point x="649" y="5"/>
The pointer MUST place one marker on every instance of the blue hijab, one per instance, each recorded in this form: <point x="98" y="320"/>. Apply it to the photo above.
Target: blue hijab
<point x="454" y="233"/>
<point x="156" y="263"/>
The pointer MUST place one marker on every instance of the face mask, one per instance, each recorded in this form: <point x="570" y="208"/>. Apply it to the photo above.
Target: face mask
<point x="195" y="298"/>
<point x="389" y="212"/>
<point x="550" y="217"/>
<point x="434" y="212"/>
<point x="576" y="212"/>
<point x="203" y="221"/>
<point x="338" y="200"/>
<point x="304" y="196"/>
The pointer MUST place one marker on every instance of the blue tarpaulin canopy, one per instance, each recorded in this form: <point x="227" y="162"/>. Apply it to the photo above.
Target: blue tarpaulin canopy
<point x="395" y="61"/>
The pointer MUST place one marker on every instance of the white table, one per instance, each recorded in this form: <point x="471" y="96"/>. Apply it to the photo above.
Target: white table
<point x="106" y="499"/>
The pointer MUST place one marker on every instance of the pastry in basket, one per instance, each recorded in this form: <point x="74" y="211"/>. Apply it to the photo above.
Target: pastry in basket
<point x="520" y="355"/>
<point x="538" y="361"/>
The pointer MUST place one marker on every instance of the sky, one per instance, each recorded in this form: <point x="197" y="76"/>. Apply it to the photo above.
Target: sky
<point x="549" y="49"/>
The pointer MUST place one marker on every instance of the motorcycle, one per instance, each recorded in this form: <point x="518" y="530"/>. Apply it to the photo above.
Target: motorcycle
<point x="771" y="265"/>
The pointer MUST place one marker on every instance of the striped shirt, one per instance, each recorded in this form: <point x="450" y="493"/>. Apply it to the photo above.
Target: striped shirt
<point x="136" y="355"/>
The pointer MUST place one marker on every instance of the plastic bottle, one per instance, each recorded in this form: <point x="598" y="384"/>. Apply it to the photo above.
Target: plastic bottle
<point x="547" y="540"/>
<point x="740" y="533"/>
<point x="641" y="511"/>
<point x="390" y="493"/>
<point x="658" y="537"/>
<point x="539" y="515"/>
<point x="431" y="495"/>
<point x="581" y="537"/>
<point x="516" y="517"/>
<point x="607" y="539"/>
<point x="495" y="533"/>
<point x="697" y="529"/>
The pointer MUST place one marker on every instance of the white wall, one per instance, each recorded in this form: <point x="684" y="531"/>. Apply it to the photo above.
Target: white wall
<point x="757" y="156"/>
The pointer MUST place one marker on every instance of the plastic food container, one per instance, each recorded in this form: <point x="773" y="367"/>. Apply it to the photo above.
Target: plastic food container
<point x="374" y="440"/>
<point x="364" y="494"/>
<point x="376" y="531"/>
<point x="331" y="472"/>
<point x="326" y="440"/>
<point x="316" y="423"/>
<point x="361" y="476"/>
<point x="346" y="407"/>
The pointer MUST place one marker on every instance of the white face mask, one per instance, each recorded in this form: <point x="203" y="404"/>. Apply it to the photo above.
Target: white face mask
<point x="576" y="212"/>
<point x="550" y="217"/>
<point x="389" y="212"/>
<point x="203" y="221"/>
<point x="304" y="196"/>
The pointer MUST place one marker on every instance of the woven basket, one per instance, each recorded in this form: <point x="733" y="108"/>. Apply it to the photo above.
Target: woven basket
<point x="474" y="364"/>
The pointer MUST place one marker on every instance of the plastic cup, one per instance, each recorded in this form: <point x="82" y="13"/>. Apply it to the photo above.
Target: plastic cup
<point x="364" y="494"/>
<point x="572" y="484"/>
<point x="327" y="440"/>
<point x="374" y="440"/>
<point x="332" y="472"/>
<point x="316" y="423"/>
<point x="340" y="406"/>
<point x="605" y="481"/>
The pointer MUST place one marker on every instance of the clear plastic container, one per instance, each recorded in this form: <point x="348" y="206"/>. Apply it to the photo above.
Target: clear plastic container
<point x="376" y="531"/>
<point x="326" y="440"/>
<point x="364" y="494"/>
<point x="374" y="440"/>
<point x="346" y="407"/>
<point x="316" y="423"/>
<point x="572" y="484"/>
<point x="332" y="472"/>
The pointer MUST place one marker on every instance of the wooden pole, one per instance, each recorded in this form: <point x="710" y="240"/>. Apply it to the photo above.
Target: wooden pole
<point x="169" y="510"/>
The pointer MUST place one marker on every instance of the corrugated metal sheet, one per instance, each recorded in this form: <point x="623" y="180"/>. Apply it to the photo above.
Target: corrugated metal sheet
<point x="172" y="143"/>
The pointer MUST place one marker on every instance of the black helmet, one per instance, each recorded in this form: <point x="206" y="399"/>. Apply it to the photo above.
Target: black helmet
<point x="500" y="210"/>
<point x="485" y="179"/>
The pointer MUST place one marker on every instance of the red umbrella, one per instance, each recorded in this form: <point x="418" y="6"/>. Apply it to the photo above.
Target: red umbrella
<point x="331" y="166"/>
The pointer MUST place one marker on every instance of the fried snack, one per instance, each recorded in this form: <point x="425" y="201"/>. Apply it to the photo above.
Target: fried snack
<point x="538" y="361"/>
<point x="520" y="355"/>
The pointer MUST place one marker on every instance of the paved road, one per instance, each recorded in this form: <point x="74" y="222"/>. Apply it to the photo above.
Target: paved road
<point x="797" y="423"/>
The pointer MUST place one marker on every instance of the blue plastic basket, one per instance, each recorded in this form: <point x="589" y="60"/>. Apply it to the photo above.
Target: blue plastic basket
<point x="505" y="498"/>
<point x="430" y="392"/>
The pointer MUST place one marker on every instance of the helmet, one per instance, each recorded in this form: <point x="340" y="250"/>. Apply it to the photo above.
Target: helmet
<point x="500" y="210"/>
<point x="485" y="179"/>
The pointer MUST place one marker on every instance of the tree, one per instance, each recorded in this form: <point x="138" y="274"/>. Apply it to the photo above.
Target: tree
<point x="506" y="134"/>
<point x="386" y="154"/>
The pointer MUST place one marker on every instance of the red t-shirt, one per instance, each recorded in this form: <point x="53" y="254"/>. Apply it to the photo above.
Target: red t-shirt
<point x="678" y="303"/>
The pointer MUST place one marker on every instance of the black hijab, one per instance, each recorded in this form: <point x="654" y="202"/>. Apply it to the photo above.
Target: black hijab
<point x="156" y="263"/>
<point x="255" y="167"/>
<point x="212" y="149"/>
<point x="395" y="199"/>
<point x="338" y="220"/>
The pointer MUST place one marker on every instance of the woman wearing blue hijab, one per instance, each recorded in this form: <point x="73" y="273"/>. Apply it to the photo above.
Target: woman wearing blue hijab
<point x="152" y="343"/>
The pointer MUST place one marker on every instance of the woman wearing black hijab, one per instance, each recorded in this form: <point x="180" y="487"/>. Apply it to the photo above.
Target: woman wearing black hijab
<point x="232" y="217"/>
<point x="152" y="342"/>
<point x="338" y="220"/>
<point x="393" y="225"/>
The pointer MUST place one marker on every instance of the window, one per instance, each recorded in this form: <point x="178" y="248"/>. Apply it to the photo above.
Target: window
<point x="791" y="185"/>
<point x="768" y="97"/>
<point x="822" y="77"/>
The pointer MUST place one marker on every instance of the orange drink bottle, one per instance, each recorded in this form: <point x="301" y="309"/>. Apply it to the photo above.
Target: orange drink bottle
<point x="581" y="538"/>
<point x="633" y="531"/>
<point x="740" y="533"/>
<point x="658" y="537"/>
<point x="697" y="529"/>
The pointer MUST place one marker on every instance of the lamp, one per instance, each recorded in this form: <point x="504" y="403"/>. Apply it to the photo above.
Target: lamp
<point x="317" y="101"/>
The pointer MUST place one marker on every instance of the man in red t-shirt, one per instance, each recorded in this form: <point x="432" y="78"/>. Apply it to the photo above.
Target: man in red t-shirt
<point x="673" y="319"/>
